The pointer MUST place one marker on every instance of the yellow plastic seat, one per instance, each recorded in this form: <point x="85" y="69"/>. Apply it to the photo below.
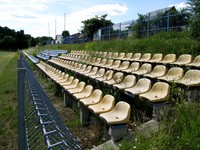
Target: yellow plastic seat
<point x="98" y="60"/>
<point x="128" y="82"/>
<point x="99" y="74"/>
<point x="104" y="54"/>
<point x="64" y="79"/>
<point x="145" y="57"/>
<point x="136" y="57"/>
<point x="183" y="60"/>
<point x="72" y="85"/>
<point x="195" y="63"/>
<point x="61" y="76"/>
<point x="159" y="92"/>
<point x="120" y="56"/>
<point x="106" y="104"/>
<point x="120" y="114"/>
<point x="115" y="64"/>
<point x="68" y="82"/>
<point x="94" y="98"/>
<point x="124" y="65"/>
<point x="156" y="58"/>
<point x="109" y="55"/>
<point x="83" y="68"/>
<point x="102" y="63"/>
<point x="191" y="78"/>
<point x="133" y="67"/>
<point x="128" y="56"/>
<point x="115" y="55"/>
<point x="142" y="86"/>
<point x="174" y="73"/>
<point x="169" y="58"/>
<point x="78" y="67"/>
<point x="144" y="69"/>
<point x="158" y="71"/>
<point x="107" y="76"/>
<point x="79" y="88"/>
<point x="85" y="93"/>
<point x="108" y="63"/>
<point x="92" y="72"/>
<point x="87" y="70"/>
<point x="117" y="78"/>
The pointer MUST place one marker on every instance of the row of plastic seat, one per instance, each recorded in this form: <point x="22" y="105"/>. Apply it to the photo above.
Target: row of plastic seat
<point x="104" y="106"/>
<point x="174" y="74"/>
<point x="183" y="60"/>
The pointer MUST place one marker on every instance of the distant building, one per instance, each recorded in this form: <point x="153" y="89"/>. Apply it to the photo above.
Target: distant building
<point x="59" y="39"/>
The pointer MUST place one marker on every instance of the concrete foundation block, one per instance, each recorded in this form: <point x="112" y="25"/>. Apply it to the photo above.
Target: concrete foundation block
<point x="117" y="132"/>
<point x="67" y="100"/>
<point x="193" y="94"/>
<point x="84" y="115"/>
<point x="158" y="110"/>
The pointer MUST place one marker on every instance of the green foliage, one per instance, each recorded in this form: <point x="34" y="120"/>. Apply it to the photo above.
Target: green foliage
<point x="90" y="26"/>
<point x="65" y="33"/>
<point x="195" y="22"/>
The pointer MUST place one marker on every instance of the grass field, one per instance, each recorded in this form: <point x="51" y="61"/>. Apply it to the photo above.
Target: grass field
<point x="8" y="100"/>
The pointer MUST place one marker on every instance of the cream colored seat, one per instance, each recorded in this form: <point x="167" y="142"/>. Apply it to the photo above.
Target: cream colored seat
<point x="79" y="88"/>
<point x="191" y="78"/>
<point x="92" y="72"/>
<point x="102" y="63"/>
<point x="183" y="60"/>
<point x="119" y="115"/>
<point x="158" y="71"/>
<point x="67" y="82"/>
<point x="115" y="55"/>
<point x="108" y="63"/>
<point x="133" y="67"/>
<point x="146" y="57"/>
<point x="85" y="93"/>
<point x="98" y="60"/>
<point x="159" y="92"/>
<point x="169" y="58"/>
<point x="61" y="76"/>
<point x="104" y="54"/>
<point x="196" y="62"/>
<point x="72" y="85"/>
<point x="128" y="82"/>
<point x="78" y="67"/>
<point x="136" y="57"/>
<point x="142" y="86"/>
<point x="128" y="56"/>
<point x="87" y="70"/>
<point x="106" y="104"/>
<point x="124" y="65"/>
<point x="94" y="98"/>
<point x="156" y="58"/>
<point x="117" y="78"/>
<point x="109" y="55"/>
<point x="144" y="69"/>
<point x="174" y="73"/>
<point x="64" y="79"/>
<point x="107" y="76"/>
<point x="121" y="55"/>
<point x="99" y="74"/>
<point x="83" y="67"/>
<point x="115" y="64"/>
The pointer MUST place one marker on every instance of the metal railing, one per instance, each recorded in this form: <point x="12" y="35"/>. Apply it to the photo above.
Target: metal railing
<point x="39" y="124"/>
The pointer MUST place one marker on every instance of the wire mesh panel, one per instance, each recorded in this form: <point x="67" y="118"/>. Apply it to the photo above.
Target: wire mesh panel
<point x="44" y="128"/>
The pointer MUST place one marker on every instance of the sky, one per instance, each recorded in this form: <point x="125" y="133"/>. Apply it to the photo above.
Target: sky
<point x="46" y="17"/>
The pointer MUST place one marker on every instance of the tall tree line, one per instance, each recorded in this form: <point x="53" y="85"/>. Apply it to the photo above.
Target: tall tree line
<point x="13" y="40"/>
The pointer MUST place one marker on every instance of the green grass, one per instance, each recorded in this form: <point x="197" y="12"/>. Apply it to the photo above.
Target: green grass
<point x="8" y="100"/>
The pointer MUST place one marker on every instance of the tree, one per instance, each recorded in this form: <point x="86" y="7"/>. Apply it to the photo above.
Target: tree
<point x="90" y="26"/>
<point x="65" y="33"/>
<point x="195" y="22"/>
<point x="8" y="42"/>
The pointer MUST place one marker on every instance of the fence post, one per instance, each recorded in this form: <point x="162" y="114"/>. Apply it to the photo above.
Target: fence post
<point x="168" y="22"/>
<point x="21" y="95"/>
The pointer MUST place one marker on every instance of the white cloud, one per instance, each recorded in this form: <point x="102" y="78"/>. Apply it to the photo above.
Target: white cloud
<point x="33" y="16"/>
<point x="180" y="6"/>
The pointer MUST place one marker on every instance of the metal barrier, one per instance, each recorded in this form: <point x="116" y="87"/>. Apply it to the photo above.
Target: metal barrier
<point x="39" y="124"/>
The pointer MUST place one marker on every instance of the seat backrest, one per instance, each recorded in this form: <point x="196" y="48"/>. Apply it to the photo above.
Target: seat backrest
<point x="80" y="85"/>
<point x="196" y="59"/>
<point x="170" y="57"/>
<point x="136" y="56"/>
<point x="192" y="74"/>
<point x="159" y="69"/>
<point x="116" y="63"/>
<point x="109" y="62"/>
<point x="124" y="65"/>
<point x="128" y="56"/>
<point x="157" y="57"/>
<point x="123" y="108"/>
<point x="103" y="61"/>
<point x="98" y="60"/>
<point x="109" y="74"/>
<point x="134" y="66"/>
<point x="161" y="88"/>
<point x="146" y="56"/>
<point x="175" y="73"/>
<point x="144" y="82"/>
<point x="115" y="54"/>
<point x="187" y="58"/>
<point x="109" y="55"/>
<point x="104" y="54"/>
<point x="79" y="66"/>
<point x="108" y="99"/>
<point x="121" y="55"/>
<point x="94" y="70"/>
<point x="87" y="90"/>
<point x="75" y="82"/>
<point x="118" y="77"/>
<point x="129" y="80"/>
<point x="101" y="71"/>
<point x="146" y="67"/>
<point x="96" y="94"/>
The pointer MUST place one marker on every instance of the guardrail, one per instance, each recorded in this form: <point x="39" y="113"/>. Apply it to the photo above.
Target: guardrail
<point x="39" y="124"/>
